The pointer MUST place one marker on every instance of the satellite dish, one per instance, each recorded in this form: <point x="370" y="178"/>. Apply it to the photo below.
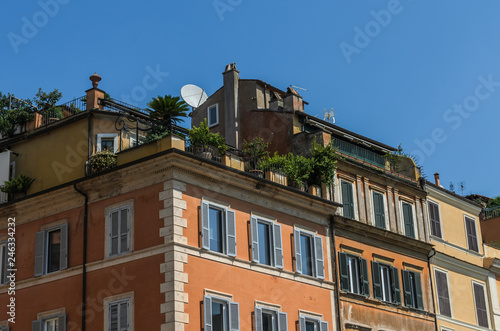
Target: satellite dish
<point x="193" y="95"/>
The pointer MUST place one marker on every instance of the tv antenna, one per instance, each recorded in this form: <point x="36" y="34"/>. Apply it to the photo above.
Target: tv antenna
<point x="193" y="95"/>
<point x="329" y="116"/>
<point x="301" y="88"/>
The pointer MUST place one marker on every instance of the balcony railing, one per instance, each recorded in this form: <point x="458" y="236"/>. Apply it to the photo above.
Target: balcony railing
<point x="491" y="212"/>
<point x="359" y="152"/>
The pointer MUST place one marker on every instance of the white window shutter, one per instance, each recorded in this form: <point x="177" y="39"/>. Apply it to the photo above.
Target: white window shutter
<point x="298" y="259"/>
<point x="255" y="239"/>
<point x="320" y="264"/>
<point x="231" y="232"/>
<point x="207" y="313"/>
<point x="39" y="248"/>
<point x="61" y="323"/>
<point x="234" y="316"/>
<point x="324" y="326"/>
<point x="63" y="264"/>
<point x="36" y="326"/>
<point x="258" y="319"/>
<point x="302" y="323"/>
<point x="205" y="226"/>
<point x="4" y="167"/>
<point x="282" y="322"/>
<point x="116" y="144"/>
<point x="278" y="246"/>
<point x="123" y="315"/>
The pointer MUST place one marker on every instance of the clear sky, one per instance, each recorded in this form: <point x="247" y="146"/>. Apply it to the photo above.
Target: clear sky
<point x="421" y="73"/>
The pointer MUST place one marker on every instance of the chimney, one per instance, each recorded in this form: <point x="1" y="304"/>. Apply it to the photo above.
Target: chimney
<point x="231" y="112"/>
<point x="293" y="101"/>
<point x="276" y="102"/>
<point x="94" y="94"/>
<point x="436" y="179"/>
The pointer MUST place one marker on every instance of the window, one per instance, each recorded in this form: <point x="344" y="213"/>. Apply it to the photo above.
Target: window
<point x="218" y="231"/>
<point x="119" y="231"/>
<point x="347" y="199"/>
<point x="119" y="315"/>
<point x="307" y="323"/>
<point x="267" y="319"/>
<point x="470" y="226"/>
<point x="435" y="219"/>
<point x="266" y="242"/>
<point x="308" y="254"/>
<point x="50" y="323"/>
<point x="51" y="250"/>
<point x="107" y="142"/>
<point x="220" y="314"/>
<point x="408" y="219"/>
<point x="353" y="274"/>
<point x="4" y="328"/>
<point x="379" y="210"/>
<point x="481" y="309"/>
<point x="443" y="294"/>
<point x="412" y="287"/>
<point x="386" y="283"/>
<point x="3" y="263"/>
<point x="213" y="115"/>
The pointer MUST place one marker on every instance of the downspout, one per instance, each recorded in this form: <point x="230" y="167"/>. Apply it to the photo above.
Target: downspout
<point x="334" y="258"/>
<point x="89" y="137"/>
<point x="84" y="272"/>
<point x="432" y="287"/>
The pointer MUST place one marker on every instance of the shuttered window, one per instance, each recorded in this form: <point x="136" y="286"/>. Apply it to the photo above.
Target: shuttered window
<point x="386" y="283"/>
<point x="51" y="250"/>
<point x="435" y="220"/>
<point x="443" y="293"/>
<point x="481" y="309"/>
<point x="218" y="228"/>
<point x="353" y="274"/>
<point x="412" y="287"/>
<point x="347" y="199"/>
<point x="408" y="220"/>
<point x="307" y="323"/>
<point x="379" y="210"/>
<point x="119" y="231"/>
<point x="3" y="263"/>
<point x="220" y="314"/>
<point x="119" y="315"/>
<point x="309" y="254"/>
<point x="51" y="323"/>
<point x="267" y="247"/>
<point x="270" y="320"/>
<point x="470" y="226"/>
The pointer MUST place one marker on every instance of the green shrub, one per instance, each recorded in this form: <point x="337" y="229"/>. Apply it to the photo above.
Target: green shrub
<point x="21" y="184"/>
<point x="101" y="161"/>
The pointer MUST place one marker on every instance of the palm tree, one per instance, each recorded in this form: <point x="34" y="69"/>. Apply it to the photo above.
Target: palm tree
<point x="167" y="111"/>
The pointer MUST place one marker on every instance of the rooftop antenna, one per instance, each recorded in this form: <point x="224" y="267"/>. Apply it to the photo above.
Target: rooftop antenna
<point x="193" y="95"/>
<point x="329" y="116"/>
<point x="301" y="88"/>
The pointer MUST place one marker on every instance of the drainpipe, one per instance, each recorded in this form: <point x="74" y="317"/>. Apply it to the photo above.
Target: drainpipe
<point x="84" y="273"/>
<point x="334" y="258"/>
<point x="432" y="287"/>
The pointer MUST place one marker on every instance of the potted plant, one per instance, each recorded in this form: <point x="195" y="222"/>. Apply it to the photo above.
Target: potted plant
<point x="165" y="112"/>
<point x="298" y="169"/>
<point x="101" y="161"/>
<point x="255" y="151"/>
<point x="17" y="186"/>
<point x="324" y="164"/>
<point x="203" y="141"/>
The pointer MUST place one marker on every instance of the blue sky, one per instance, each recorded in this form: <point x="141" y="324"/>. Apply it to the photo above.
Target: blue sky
<point x="420" y="73"/>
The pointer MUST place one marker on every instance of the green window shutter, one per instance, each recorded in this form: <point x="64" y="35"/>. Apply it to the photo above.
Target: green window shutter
<point x="377" y="284"/>
<point x="234" y="316"/>
<point x="207" y="313"/>
<point x="39" y="253"/>
<point x="379" y="211"/>
<point x="347" y="200"/>
<point x="230" y="232"/>
<point x="418" y="290"/>
<point x="36" y="326"/>
<point x="408" y="220"/>
<point x="205" y="226"/>
<point x="407" y="288"/>
<point x="364" y="277"/>
<point x="344" y="276"/>
<point x="298" y="258"/>
<point x="395" y="285"/>
<point x="282" y="322"/>
<point x="64" y="247"/>
<point x="320" y="265"/>
<point x="278" y="246"/>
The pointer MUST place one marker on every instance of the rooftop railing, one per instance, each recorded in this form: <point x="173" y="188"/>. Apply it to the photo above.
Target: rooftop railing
<point x="491" y="212"/>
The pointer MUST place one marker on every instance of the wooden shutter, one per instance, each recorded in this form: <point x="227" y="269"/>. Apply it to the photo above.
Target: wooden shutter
<point x="207" y="313"/>
<point x="61" y="322"/>
<point x="324" y="326"/>
<point x="407" y="288"/>
<point x="39" y="253"/>
<point x="124" y="231"/>
<point x="377" y="283"/>
<point x="114" y="235"/>
<point x="302" y="323"/>
<point x="364" y="277"/>
<point x="471" y="234"/>
<point x="298" y="258"/>
<point x="205" y="226"/>
<point x="278" y="246"/>
<point x="435" y="221"/>
<point x="408" y="220"/>
<point x="418" y="290"/>
<point x="63" y="264"/>
<point x="347" y="200"/>
<point x="443" y="293"/>
<point x="378" y="209"/>
<point x="36" y="326"/>
<point x="258" y="319"/>
<point x="482" y="314"/>
<point x="282" y="322"/>
<point x="231" y="232"/>
<point x="320" y="264"/>
<point x="254" y="234"/>
<point x="395" y="285"/>
<point x="344" y="272"/>
<point x="234" y="316"/>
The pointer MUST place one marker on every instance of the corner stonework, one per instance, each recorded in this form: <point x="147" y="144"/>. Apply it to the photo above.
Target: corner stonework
<point x="172" y="233"/>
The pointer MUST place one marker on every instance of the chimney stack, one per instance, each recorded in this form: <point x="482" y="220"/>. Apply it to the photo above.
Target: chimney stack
<point x="94" y="94"/>
<point x="231" y="112"/>
<point x="436" y="179"/>
<point x="293" y="101"/>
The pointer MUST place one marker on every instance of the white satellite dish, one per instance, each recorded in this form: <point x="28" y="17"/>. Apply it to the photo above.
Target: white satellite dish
<point x="193" y="95"/>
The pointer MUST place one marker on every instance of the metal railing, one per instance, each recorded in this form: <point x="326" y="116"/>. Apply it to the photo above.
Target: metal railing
<point x="64" y="110"/>
<point x="491" y="212"/>
<point x="359" y="152"/>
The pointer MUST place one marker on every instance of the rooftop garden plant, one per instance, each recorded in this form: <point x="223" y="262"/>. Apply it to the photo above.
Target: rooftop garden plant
<point x="20" y="184"/>
<point x="201" y="138"/>
<point x="165" y="112"/>
<point x="101" y="161"/>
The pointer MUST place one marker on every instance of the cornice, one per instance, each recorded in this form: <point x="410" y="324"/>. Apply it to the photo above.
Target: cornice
<point x="459" y="266"/>
<point x="440" y="195"/>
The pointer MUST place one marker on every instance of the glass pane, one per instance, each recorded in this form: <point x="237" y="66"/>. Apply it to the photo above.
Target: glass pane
<point x="217" y="316"/>
<point x="51" y="325"/>
<point x="264" y="243"/>
<point x="267" y="321"/>
<point x="386" y="283"/>
<point x="54" y="250"/>
<point x="306" y="255"/>
<point x="310" y="326"/>
<point x="352" y="264"/>
<point x="413" y="290"/>
<point x="216" y="230"/>
<point x="107" y="144"/>
<point x="212" y="115"/>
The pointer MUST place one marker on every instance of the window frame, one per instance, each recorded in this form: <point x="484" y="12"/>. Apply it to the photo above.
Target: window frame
<point x="485" y="296"/>
<point x="42" y="249"/>
<point x="274" y="239"/>
<point x="444" y="272"/>
<point x="319" y="323"/>
<point x="393" y="282"/>
<point x="279" y="316"/>
<point x="230" y="308"/>
<point x="100" y="136"/>
<point x="384" y="208"/>
<point x="440" y="223"/>
<point x="119" y="298"/>
<point x="130" y="205"/>
<point x="229" y="238"/>
<point x="316" y="246"/>
<point x="216" y="105"/>
<point x="467" y="234"/>
<point x="414" y="218"/>
<point x="415" y="302"/>
<point x="58" y="314"/>
<point x="119" y="211"/>
<point x="345" y="273"/>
